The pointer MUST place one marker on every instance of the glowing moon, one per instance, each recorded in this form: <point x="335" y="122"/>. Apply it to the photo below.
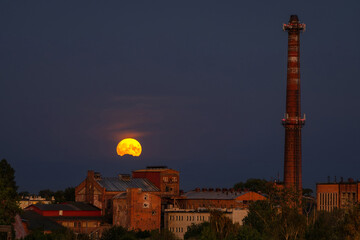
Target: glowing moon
<point x="129" y="146"/>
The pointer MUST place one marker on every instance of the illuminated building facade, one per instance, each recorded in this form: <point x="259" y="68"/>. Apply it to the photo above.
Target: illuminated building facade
<point x="337" y="194"/>
<point x="177" y="220"/>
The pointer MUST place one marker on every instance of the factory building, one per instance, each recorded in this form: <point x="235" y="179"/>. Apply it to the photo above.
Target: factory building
<point x="341" y="194"/>
<point x="134" y="202"/>
<point x="218" y="198"/>
<point x="178" y="220"/>
<point x="79" y="217"/>
<point x="142" y="200"/>
<point x="135" y="209"/>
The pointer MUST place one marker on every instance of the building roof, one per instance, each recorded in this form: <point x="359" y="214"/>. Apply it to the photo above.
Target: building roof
<point x="37" y="222"/>
<point x="70" y="206"/>
<point x="227" y="195"/>
<point x="97" y="218"/>
<point x="120" y="195"/>
<point x="115" y="184"/>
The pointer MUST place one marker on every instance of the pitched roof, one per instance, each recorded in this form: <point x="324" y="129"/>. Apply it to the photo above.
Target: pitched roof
<point x="227" y="195"/>
<point x="96" y="218"/>
<point x="70" y="206"/>
<point x="37" y="222"/>
<point x="115" y="184"/>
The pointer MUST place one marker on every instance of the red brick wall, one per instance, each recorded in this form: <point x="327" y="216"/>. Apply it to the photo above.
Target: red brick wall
<point x="166" y="180"/>
<point x="153" y="177"/>
<point x="139" y="210"/>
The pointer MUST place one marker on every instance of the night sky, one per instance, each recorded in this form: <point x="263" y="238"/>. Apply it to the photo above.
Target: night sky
<point x="200" y="84"/>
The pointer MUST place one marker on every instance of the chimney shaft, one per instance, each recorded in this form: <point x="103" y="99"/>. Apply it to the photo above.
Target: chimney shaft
<point x="293" y="121"/>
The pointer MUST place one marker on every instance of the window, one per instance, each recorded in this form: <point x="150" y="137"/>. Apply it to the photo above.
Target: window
<point x="108" y="205"/>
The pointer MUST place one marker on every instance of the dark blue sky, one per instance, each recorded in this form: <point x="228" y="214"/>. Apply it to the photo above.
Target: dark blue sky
<point x="201" y="84"/>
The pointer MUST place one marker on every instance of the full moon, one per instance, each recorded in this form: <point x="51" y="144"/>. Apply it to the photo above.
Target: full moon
<point x="129" y="146"/>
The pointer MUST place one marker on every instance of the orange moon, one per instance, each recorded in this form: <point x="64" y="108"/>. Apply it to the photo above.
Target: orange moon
<point x="129" y="146"/>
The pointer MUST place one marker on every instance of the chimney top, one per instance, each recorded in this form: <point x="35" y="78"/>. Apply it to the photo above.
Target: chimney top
<point x="294" y="18"/>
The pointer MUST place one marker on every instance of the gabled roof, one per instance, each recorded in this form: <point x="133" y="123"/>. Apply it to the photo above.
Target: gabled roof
<point x="213" y="195"/>
<point x="115" y="184"/>
<point x="70" y="206"/>
<point x="37" y="222"/>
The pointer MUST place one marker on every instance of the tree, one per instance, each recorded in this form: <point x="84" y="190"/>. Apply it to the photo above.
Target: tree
<point x="351" y="226"/>
<point x="61" y="234"/>
<point x="8" y="194"/>
<point x="69" y="194"/>
<point x="248" y="233"/>
<point x="194" y="231"/>
<point x="24" y="194"/>
<point x="220" y="227"/>
<point x="164" y="234"/>
<point x="327" y="226"/>
<point x="114" y="233"/>
<point x="120" y="233"/>
<point x="278" y="217"/>
<point x="253" y="184"/>
<point x="307" y="192"/>
<point x="46" y="193"/>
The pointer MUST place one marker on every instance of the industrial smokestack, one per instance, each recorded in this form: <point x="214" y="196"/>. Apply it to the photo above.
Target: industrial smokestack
<point x="293" y="121"/>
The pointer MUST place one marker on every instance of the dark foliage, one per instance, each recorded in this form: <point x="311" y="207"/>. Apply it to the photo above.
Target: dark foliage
<point x="8" y="194"/>
<point x="120" y="233"/>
